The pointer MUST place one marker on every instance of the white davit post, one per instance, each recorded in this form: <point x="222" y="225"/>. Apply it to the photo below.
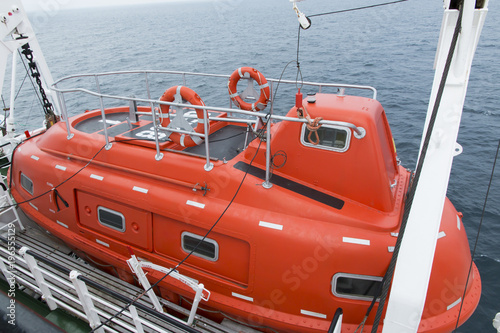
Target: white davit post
<point x="14" y="24"/>
<point x="414" y="264"/>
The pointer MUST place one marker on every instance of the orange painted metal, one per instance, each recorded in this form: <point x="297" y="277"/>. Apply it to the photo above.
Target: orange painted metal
<point x="278" y="249"/>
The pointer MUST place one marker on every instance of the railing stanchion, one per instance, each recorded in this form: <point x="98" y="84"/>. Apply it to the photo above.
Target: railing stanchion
<point x="267" y="183"/>
<point x="103" y="114"/>
<point x="209" y="166"/>
<point x="159" y="154"/>
<point x="39" y="279"/>
<point x="64" y="111"/>
<point x="86" y="301"/>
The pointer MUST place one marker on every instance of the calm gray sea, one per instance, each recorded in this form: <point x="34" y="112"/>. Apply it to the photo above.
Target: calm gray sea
<point x="391" y="48"/>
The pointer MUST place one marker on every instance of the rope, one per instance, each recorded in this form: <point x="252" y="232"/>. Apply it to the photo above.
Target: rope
<point x="108" y="320"/>
<point x="312" y="125"/>
<point x="411" y="194"/>
<point x="478" y="232"/>
<point x="299" y="72"/>
<point x="358" y="8"/>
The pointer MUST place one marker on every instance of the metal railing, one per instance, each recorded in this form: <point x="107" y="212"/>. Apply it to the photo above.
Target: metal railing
<point x="66" y="288"/>
<point x="234" y="115"/>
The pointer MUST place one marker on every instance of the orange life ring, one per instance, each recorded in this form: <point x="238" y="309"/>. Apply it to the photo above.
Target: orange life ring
<point x="187" y="94"/>
<point x="264" y="97"/>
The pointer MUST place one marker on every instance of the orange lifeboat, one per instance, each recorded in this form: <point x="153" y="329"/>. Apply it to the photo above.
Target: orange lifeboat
<point x="279" y="258"/>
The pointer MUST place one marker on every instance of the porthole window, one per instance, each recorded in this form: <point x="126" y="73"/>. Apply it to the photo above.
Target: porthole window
<point x="207" y="249"/>
<point x="26" y="183"/>
<point x="352" y="286"/>
<point x="333" y="138"/>
<point x="111" y="219"/>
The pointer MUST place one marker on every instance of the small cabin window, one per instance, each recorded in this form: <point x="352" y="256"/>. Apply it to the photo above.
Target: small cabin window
<point x="352" y="286"/>
<point x="207" y="249"/>
<point x="111" y="219"/>
<point x="26" y="183"/>
<point x="335" y="138"/>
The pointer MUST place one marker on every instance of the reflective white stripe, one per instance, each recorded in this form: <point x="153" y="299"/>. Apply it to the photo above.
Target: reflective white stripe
<point x="454" y="304"/>
<point x="441" y="234"/>
<point x="96" y="177"/>
<point x="182" y="139"/>
<point x="62" y="224"/>
<point x="239" y="72"/>
<point x="356" y="241"/>
<point x="60" y="167"/>
<point x="178" y="96"/>
<point x="264" y="86"/>
<point x="33" y="206"/>
<point x="313" y="314"/>
<point x="36" y="158"/>
<point x="270" y="225"/>
<point x="253" y="106"/>
<point x="246" y="298"/>
<point x="111" y="122"/>
<point x="51" y="210"/>
<point x="458" y="222"/>
<point x="101" y="242"/>
<point x="390" y="249"/>
<point x="233" y="95"/>
<point x="195" y="204"/>
<point x="140" y="189"/>
<point x="197" y="140"/>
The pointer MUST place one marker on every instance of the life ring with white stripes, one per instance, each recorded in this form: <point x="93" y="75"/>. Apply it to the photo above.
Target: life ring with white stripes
<point x="188" y="95"/>
<point x="264" y="96"/>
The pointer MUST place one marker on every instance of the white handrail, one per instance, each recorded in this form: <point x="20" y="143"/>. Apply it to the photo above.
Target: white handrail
<point x="237" y="115"/>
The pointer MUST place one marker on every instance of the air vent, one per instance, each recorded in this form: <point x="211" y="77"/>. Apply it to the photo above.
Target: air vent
<point x="207" y="249"/>
<point x="111" y="219"/>
<point x="352" y="286"/>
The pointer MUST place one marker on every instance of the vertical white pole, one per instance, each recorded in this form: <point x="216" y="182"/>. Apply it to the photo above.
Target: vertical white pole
<point x="11" y="120"/>
<point x="86" y="301"/>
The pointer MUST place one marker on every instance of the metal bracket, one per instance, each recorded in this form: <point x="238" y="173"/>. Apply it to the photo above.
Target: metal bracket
<point x="199" y="289"/>
<point x="86" y="300"/>
<point x="40" y="281"/>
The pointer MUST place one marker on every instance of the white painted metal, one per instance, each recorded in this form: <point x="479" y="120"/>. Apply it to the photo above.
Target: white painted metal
<point x="137" y="320"/>
<point x="413" y="269"/>
<point x="10" y="121"/>
<point x="8" y="215"/>
<point x="61" y="287"/>
<point x="196" y="302"/>
<point x="338" y="327"/>
<point x="9" y="276"/>
<point x="496" y="322"/>
<point x="40" y="280"/>
<point x="17" y="24"/>
<point x="86" y="301"/>
<point x="136" y="268"/>
<point x="199" y="289"/>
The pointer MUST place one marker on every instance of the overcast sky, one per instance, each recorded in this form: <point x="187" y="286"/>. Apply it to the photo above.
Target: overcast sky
<point x="32" y="5"/>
